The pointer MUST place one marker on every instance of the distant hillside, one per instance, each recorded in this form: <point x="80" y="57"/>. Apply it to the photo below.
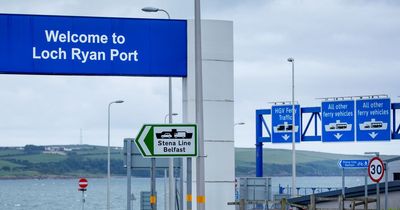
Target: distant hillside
<point x="88" y="160"/>
<point x="58" y="161"/>
<point x="278" y="162"/>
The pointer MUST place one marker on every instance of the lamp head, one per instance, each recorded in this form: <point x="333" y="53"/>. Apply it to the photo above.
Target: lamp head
<point x="372" y="153"/>
<point x="175" y="114"/>
<point x="119" y="101"/>
<point x="150" y="9"/>
<point x="240" y="123"/>
<point x="290" y="59"/>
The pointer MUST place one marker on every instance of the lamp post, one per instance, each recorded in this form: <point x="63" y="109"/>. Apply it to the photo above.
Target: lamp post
<point x="291" y="60"/>
<point x="200" y="164"/>
<point x="108" y="153"/>
<point x="171" y="160"/>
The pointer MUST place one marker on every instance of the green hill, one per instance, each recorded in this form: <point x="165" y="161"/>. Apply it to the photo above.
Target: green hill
<point x="88" y="160"/>
<point x="278" y="162"/>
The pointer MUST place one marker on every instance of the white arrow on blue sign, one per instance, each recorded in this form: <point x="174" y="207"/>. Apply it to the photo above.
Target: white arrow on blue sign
<point x="373" y="119"/>
<point x="353" y="164"/>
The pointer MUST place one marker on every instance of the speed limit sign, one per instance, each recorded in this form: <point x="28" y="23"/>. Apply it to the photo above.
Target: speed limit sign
<point x="376" y="169"/>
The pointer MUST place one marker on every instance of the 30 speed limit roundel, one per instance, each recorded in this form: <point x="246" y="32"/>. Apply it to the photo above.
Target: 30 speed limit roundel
<point x="376" y="169"/>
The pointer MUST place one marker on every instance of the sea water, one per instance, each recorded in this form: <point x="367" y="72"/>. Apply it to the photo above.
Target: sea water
<point x="63" y="194"/>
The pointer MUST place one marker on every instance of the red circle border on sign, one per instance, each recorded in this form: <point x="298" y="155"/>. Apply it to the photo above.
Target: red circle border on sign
<point x="383" y="168"/>
<point x="83" y="180"/>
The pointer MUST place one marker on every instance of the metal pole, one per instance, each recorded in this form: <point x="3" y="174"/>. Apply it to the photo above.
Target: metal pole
<point x="366" y="184"/>
<point x="153" y="198"/>
<point x="108" y="159"/>
<point x="171" y="166"/>
<point x="343" y="184"/>
<point x="171" y="160"/>
<point x="165" y="190"/>
<point x="378" y="197"/>
<point x="109" y="153"/>
<point x="293" y="136"/>
<point x="181" y="184"/>
<point x="200" y="180"/>
<point x="83" y="199"/>
<point x="386" y="185"/>
<point x="128" y="173"/>
<point x="259" y="159"/>
<point x="189" y="183"/>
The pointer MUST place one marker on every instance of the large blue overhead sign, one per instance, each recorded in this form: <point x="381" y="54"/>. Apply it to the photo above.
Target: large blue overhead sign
<point x="282" y="124"/>
<point x="373" y="119"/>
<point x="34" y="44"/>
<point x="337" y="121"/>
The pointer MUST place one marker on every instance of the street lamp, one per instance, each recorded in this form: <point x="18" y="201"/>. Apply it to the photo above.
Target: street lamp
<point x="108" y="153"/>
<point x="170" y="114"/>
<point x="372" y="153"/>
<point x="291" y="60"/>
<point x="167" y="115"/>
<point x="154" y="9"/>
<point x="239" y="123"/>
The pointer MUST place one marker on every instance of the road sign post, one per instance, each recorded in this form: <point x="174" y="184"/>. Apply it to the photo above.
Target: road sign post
<point x="337" y="121"/>
<point x="376" y="170"/>
<point x="350" y="164"/>
<point x="169" y="140"/>
<point x="83" y="183"/>
<point x="128" y="146"/>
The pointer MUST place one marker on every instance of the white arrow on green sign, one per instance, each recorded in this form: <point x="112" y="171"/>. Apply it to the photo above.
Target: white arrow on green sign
<point x="167" y="140"/>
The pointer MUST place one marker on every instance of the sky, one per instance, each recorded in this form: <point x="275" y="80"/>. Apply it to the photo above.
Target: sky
<point x="341" y="48"/>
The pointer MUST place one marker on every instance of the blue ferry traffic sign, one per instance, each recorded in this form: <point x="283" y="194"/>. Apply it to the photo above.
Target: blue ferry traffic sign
<point x="282" y="123"/>
<point x="373" y="119"/>
<point x="353" y="164"/>
<point x="337" y="121"/>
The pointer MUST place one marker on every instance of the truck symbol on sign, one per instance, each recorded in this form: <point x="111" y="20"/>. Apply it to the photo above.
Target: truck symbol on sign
<point x="338" y="126"/>
<point x="285" y="127"/>
<point x="174" y="134"/>
<point x="373" y="125"/>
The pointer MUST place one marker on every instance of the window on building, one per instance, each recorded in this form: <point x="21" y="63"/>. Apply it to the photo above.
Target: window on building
<point x="396" y="176"/>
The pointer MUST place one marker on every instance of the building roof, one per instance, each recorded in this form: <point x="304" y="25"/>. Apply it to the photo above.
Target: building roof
<point x="351" y="192"/>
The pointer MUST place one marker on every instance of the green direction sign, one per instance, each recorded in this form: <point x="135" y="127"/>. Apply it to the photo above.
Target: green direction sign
<point x="167" y="140"/>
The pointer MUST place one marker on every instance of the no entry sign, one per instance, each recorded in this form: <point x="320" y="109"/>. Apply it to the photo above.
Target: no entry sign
<point x="376" y="169"/>
<point x="83" y="183"/>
